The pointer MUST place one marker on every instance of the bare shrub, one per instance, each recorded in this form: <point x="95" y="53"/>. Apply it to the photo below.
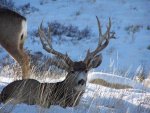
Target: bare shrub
<point x="78" y="13"/>
<point x="148" y="47"/>
<point x="148" y="27"/>
<point x="68" y="30"/>
<point x="92" y="1"/>
<point x="27" y="9"/>
<point x="132" y="29"/>
<point x="42" y="2"/>
<point x="62" y="31"/>
<point x="7" y="3"/>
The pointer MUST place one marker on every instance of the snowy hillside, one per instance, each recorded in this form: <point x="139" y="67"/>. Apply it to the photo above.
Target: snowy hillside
<point x="130" y="21"/>
<point x="126" y="56"/>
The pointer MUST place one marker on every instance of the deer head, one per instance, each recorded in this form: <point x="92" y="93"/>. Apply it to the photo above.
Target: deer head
<point x="77" y="71"/>
<point x="13" y="32"/>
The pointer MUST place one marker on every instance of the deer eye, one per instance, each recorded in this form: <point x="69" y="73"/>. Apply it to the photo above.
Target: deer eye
<point x="22" y="37"/>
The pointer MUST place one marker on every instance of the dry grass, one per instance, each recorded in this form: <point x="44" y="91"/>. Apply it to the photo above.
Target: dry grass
<point x="110" y="85"/>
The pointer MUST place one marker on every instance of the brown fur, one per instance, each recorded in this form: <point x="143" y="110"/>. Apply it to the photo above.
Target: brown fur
<point x="32" y="92"/>
<point x="11" y="38"/>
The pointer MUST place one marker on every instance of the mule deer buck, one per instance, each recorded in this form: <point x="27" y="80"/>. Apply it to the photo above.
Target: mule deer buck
<point x="67" y="92"/>
<point x="13" y="32"/>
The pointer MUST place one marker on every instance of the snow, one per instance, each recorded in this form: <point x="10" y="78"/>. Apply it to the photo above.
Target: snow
<point x="97" y="99"/>
<point x="123" y="55"/>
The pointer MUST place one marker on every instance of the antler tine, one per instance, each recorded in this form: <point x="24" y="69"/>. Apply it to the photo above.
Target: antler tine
<point x="103" y="41"/>
<point x="49" y="41"/>
<point x="42" y="35"/>
<point x="99" y="27"/>
<point x="47" y="45"/>
<point x="112" y="33"/>
<point x="106" y="34"/>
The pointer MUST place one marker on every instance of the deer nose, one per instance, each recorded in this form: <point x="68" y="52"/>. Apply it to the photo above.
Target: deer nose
<point x="81" y="82"/>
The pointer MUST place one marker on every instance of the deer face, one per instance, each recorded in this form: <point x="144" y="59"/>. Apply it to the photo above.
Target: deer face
<point x="78" y="75"/>
<point x="78" y="72"/>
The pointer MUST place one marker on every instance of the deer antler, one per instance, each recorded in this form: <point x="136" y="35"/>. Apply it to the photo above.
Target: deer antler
<point x="103" y="41"/>
<point x="47" y="45"/>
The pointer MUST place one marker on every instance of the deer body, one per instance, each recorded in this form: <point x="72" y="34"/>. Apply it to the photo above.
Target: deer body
<point x="31" y="92"/>
<point x="13" y="32"/>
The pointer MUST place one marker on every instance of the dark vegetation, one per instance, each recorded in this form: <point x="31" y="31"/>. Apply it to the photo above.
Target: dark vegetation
<point x="65" y="32"/>
<point x="7" y="3"/>
<point x="24" y="9"/>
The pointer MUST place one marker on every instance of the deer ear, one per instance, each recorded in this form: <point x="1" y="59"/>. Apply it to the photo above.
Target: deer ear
<point x="95" y="62"/>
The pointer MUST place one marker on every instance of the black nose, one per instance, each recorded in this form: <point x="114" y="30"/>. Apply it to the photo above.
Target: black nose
<point x="81" y="82"/>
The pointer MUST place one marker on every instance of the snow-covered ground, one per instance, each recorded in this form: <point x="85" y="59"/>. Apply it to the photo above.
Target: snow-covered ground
<point x="130" y="21"/>
<point x="96" y="99"/>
